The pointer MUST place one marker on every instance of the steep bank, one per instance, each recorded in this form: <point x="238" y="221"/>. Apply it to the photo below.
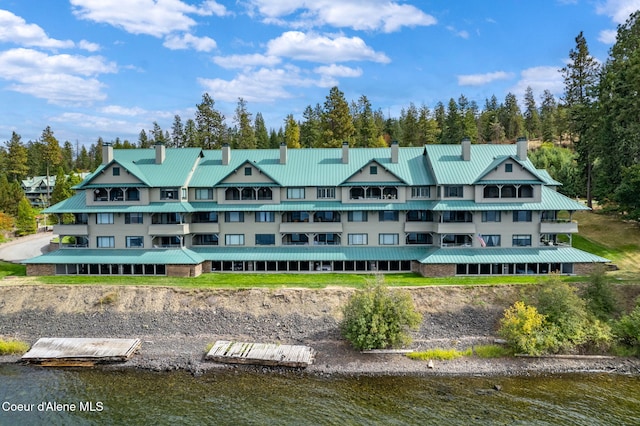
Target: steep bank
<point x="175" y="325"/>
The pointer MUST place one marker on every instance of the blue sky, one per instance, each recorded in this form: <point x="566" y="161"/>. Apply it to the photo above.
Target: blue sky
<point x="109" y="68"/>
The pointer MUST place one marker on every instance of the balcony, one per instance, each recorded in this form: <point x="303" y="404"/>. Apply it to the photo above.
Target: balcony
<point x="306" y="227"/>
<point x="559" y="226"/>
<point x="169" y="229"/>
<point x="72" y="229"/>
<point x="204" y="228"/>
<point x="456" y="228"/>
<point x="420" y="227"/>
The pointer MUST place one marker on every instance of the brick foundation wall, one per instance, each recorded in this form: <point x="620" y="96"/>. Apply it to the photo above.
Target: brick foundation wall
<point x="38" y="269"/>
<point x="436" y="270"/>
<point x="184" y="270"/>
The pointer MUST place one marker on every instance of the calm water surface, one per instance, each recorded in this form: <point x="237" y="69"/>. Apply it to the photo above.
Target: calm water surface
<point x="243" y="398"/>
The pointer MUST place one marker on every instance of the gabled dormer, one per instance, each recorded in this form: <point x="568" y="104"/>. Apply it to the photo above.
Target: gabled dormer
<point x="248" y="183"/>
<point x="509" y="179"/>
<point x="373" y="182"/>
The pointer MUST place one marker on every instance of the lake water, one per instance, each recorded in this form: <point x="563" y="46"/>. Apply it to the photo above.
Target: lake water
<point x="232" y="397"/>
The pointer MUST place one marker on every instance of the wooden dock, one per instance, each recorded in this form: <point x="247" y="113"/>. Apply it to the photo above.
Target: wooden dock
<point x="261" y="354"/>
<point x="60" y="352"/>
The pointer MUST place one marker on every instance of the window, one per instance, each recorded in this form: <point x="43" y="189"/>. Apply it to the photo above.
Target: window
<point x="453" y="191"/>
<point x="166" y="218"/>
<point x="104" y="218"/>
<point x="184" y="193"/>
<point x="491" y="191"/>
<point x="295" y="217"/>
<point x="388" y="239"/>
<point x="508" y="167"/>
<point x="326" y="193"/>
<point x="247" y="171"/>
<point x="358" y="216"/>
<point x="248" y="194"/>
<point x="373" y="170"/>
<point x="521" y="240"/>
<point x="490" y="240"/>
<point x="388" y="216"/>
<point x="133" y="194"/>
<point x="205" y="217"/>
<point x="204" y="193"/>
<point x="234" y="239"/>
<point x="234" y="217"/>
<point x="419" y="238"/>
<point x="232" y="194"/>
<point x="358" y="239"/>
<point x="522" y="216"/>
<point x="168" y="193"/>
<point x="116" y="171"/>
<point x="205" y="239"/>
<point x="135" y="242"/>
<point x="131" y="218"/>
<point x="295" y="193"/>
<point x="327" y="239"/>
<point x="420" y="192"/>
<point x="457" y="216"/>
<point x="419" y="216"/>
<point x="116" y="194"/>
<point x="525" y="191"/>
<point x="105" y="242"/>
<point x="326" y="217"/>
<point x="491" y="216"/>
<point x="265" y="217"/>
<point x="265" y="239"/>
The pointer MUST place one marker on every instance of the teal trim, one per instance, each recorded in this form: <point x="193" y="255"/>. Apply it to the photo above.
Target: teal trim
<point x="311" y="253"/>
<point x="511" y="255"/>
<point x="551" y="200"/>
<point x="119" y="256"/>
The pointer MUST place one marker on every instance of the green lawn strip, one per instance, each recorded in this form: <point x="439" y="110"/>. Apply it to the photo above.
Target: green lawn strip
<point x="12" y="269"/>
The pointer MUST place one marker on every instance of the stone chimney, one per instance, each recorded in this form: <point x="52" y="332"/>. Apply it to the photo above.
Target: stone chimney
<point x="345" y="152"/>
<point x="466" y="149"/>
<point x="226" y="154"/>
<point x="394" y="151"/>
<point x="283" y="153"/>
<point x="522" y="146"/>
<point x="160" y="152"/>
<point x="107" y="152"/>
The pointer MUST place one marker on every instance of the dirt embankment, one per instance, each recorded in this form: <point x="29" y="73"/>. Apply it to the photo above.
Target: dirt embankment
<point x="175" y="325"/>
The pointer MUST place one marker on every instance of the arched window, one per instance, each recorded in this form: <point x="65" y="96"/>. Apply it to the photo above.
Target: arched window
<point x="508" y="191"/>
<point x="356" y="193"/>
<point x="248" y="194"/>
<point x="100" y="194"/>
<point x="232" y="194"/>
<point x="491" y="191"/>
<point x="264" y="194"/>
<point x="116" y="194"/>
<point x="525" y="191"/>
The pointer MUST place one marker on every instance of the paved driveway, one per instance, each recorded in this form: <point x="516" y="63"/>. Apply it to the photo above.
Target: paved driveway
<point x="25" y="247"/>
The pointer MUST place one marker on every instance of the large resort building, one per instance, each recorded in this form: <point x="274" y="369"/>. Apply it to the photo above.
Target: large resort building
<point x="437" y="210"/>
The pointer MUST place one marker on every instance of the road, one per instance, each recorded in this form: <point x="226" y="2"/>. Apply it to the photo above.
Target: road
<point x="27" y="247"/>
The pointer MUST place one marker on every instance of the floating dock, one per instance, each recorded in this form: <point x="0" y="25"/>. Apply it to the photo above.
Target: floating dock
<point x="261" y="354"/>
<point x="62" y="352"/>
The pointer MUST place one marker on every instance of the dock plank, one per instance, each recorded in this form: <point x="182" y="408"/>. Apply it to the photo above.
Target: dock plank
<point x="261" y="354"/>
<point x="52" y="351"/>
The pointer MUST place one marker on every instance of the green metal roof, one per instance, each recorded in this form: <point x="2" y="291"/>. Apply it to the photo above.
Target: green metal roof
<point x="122" y="256"/>
<point x="311" y="206"/>
<point x="77" y="204"/>
<point x="450" y="169"/>
<point x="324" y="253"/>
<point x="511" y="255"/>
<point x="312" y="167"/>
<point x="551" y="200"/>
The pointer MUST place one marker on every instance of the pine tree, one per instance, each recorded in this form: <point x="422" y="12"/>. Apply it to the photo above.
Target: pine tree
<point x="548" y="109"/>
<point x="262" y="135"/>
<point x="16" y="161"/>
<point x="310" y="126"/>
<point x="410" y="132"/>
<point x="336" y="121"/>
<point x="367" y="133"/>
<point x="427" y="127"/>
<point x="580" y="82"/>
<point x="26" y="218"/>
<point x="212" y="133"/>
<point x="291" y="132"/>
<point x="246" y="136"/>
<point x="177" y="133"/>
<point x="511" y="117"/>
<point x="531" y="115"/>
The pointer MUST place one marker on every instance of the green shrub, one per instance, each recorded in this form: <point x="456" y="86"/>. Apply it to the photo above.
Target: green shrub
<point x="13" y="347"/>
<point x="599" y="296"/>
<point x="491" y="351"/>
<point x="379" y="318"/>
<point x="627" y="328"/>
<point x="439" y="354"/>
<point x="524" y="329"/>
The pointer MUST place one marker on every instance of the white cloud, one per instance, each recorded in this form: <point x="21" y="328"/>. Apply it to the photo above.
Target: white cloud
<point x="481" y="79"/>
<point x="185" y="41"/>
<point x="316" y="48"/>
<point x="462" y="33"/>
<point x="14" y="29"/>
<point x="244" y="61"/>
<point x="368" y="15"/>
<point x="539" y="79"/>
<point x="96" y="123"/>
<point x="120" y="110"/>
<point x="88" y="46"/>
<point x="618" y="10"/>
<point x="60" y="79"/>
<point x="607" y="36"/>
<point x="338" y="71"/>
<point x="262" y="85"/>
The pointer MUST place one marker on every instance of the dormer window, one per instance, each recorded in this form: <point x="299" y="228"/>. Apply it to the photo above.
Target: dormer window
<point x="116" y="171"/>
<point x="169" y="193"/>
<point x="373" y="170"/>
<point x="508" y="168"/>
<point x="247" y="171"/>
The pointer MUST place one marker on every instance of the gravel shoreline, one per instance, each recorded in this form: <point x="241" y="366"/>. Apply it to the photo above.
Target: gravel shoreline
<point x="177" y="341"/>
